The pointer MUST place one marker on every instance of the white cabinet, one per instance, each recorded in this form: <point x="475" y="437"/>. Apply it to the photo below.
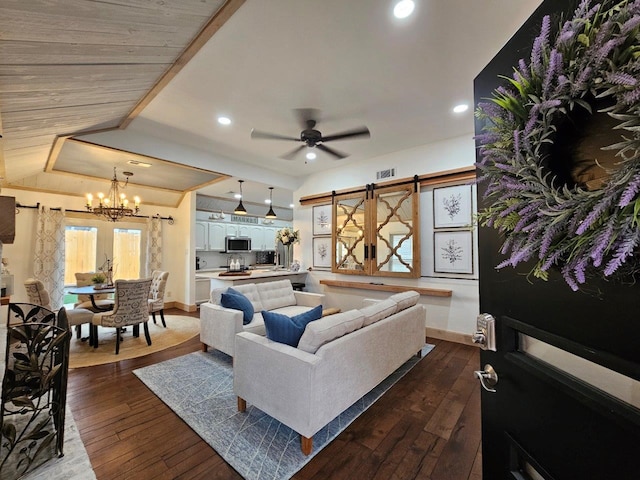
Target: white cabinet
<point x="257" y="237"/>
<point x="217" y="232"/>
<point x="202" y="235"/>
<point x="210" y="236"/>
<point x="203" y="287"/>
<point x="269" y="237"/>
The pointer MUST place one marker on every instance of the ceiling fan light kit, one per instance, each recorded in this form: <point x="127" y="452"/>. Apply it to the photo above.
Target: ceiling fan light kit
<point x="240" y="210"/>
<point x="312" y="138"/>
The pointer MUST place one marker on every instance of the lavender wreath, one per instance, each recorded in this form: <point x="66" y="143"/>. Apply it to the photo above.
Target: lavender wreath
<point x="593" y="59"/>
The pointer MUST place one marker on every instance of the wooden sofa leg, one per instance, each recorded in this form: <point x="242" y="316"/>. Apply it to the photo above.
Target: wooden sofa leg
<point x="242" y="405"/>
<point x="306" y="444"/>
<point x="205" y="347"/>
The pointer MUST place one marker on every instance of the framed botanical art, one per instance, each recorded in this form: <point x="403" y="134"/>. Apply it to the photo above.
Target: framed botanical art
<point x="322" y="216"/>
<point x="452" y="206"/>
<point x="322" y="252"/>
<point x="453" y="251"/>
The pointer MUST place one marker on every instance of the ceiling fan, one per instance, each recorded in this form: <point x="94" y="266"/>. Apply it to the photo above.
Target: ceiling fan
<point x="312" y="138"/>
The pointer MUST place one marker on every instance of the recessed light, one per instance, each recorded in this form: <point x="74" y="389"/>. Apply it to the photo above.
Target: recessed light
<point x="224" y="120"/>
<point x="291" y="205"/>
<point x="267" y="201"/>
<point x="463" y="107"/>
<point x="311" y="156"/>
<point x="403" y="8"/>
<point x="237" y="195"/>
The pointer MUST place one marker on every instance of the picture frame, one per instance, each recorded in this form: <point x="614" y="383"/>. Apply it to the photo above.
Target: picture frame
<point x="452" y="206"/>
<point x="322" y="219"/>
<point x="453" y="252"/>
<point x="322" y="252"/>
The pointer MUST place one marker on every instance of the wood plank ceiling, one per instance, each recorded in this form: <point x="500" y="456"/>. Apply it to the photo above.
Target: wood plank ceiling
<point x="77" y="66"/>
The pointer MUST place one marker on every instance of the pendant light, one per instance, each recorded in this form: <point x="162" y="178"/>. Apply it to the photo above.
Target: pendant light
<point x="240" y="210"/>
<point x="271" y="213"/>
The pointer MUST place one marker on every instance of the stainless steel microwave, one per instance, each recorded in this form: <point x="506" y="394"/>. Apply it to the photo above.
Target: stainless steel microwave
<point x="237" y="244"/>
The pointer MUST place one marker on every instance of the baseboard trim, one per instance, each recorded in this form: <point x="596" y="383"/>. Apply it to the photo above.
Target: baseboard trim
<point x="450" y="336"/>
<point x="181" y="306"/>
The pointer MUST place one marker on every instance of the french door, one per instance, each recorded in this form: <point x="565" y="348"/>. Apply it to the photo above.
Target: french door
<point x="92" y="245"/>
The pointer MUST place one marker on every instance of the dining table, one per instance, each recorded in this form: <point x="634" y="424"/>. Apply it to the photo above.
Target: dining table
<point x="91" y="291"/>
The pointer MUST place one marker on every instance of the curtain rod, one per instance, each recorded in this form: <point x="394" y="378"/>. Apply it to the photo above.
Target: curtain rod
<point x="37" y="205"/>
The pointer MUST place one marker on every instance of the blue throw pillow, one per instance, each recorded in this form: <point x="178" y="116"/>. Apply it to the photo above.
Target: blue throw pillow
<point x="284" y="329"/>
<point x="237" y="301"/>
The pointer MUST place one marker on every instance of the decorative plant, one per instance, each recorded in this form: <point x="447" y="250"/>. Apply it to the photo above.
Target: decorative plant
<point x="591" y="62"/>
<point x="99" y="278"/>
<point x="287" y="236"/>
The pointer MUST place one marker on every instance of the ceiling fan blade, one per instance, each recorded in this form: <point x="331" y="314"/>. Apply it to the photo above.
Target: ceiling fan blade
<point x="332" y="151"/>
<point x="292" y="154"/>
<point x="356" y="132"/>
<point x="271" y="136"/>
<point x="303" y="115"/>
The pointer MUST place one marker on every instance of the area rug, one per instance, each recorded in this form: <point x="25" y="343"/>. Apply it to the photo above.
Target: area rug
<point x="179" y="329"/>
<point x="198" y="387"/>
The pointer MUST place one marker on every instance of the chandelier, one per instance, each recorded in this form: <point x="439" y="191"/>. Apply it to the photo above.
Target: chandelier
<point x="115" y="204"/>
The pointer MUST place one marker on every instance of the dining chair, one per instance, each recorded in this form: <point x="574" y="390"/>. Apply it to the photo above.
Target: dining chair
<point x="39" y="295"/>
<point x="156" y="294"/>
<point x="103" y="301"/>
<point x="131" y="308"/>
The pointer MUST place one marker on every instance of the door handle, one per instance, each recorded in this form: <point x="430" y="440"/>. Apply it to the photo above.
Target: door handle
<point x="488" y="378"/>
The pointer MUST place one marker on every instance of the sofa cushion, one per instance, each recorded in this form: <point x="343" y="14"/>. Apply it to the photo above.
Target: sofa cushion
<point x="284" y="329"/>
<point x="256" y="326"/>
<point x="378" y="310"/>
<point x="405" y="299"/>
<point x="329" y="328"/>
<point x="250" y="291"/>
<point x="276" y="294"/>
<point x="237" y="301"/>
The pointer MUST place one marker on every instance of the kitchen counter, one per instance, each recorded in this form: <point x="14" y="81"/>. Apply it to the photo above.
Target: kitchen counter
<point x="252" y="276"/>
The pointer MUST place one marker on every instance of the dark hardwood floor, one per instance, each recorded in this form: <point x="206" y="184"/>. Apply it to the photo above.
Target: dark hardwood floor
<point x="426" y="427"/>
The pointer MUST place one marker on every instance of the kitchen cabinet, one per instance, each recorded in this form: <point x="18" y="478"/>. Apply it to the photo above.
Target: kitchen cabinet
<point x="202" y="235"/>
<point x="203" y="288"/>
<point x="235" y="230"/>
<point x="217" y="232"/>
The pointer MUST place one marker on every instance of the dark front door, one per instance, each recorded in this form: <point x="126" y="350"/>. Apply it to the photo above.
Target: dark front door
<point x="568" y="363"/>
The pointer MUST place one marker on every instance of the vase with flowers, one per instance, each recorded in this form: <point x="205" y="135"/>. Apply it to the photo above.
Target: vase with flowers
<point x="287" y="237"/>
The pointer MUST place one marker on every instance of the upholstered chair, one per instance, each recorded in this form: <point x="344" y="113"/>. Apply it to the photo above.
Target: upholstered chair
<point x="156" y="294"/>
<point x="39" y="295"/>
<point x="84" y="301"/>
<point x="131" y="308"/>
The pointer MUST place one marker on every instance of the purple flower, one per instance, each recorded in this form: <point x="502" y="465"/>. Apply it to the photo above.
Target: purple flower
<point x="624" y="249"/>
<point x="630" y="192"/>
<point x="555" y="62"/>
<point x="621" y="78"/>
<point x="540" y="44"/>
<point x="601" y="243"/>
<point x="630" y="98"/>
<point x="629" y="25"/>
<point x="581" y="82"/>
<point x="593" y="216"/>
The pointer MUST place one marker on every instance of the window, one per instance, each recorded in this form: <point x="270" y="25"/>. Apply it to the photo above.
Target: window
<point x="89" y="243"/>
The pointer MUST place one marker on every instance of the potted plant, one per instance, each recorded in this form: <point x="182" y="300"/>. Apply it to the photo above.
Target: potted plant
<point x="98" y="279"/>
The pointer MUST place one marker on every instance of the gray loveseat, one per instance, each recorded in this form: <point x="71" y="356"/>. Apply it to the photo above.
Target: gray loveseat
<point x="338" y="360"/>
<point x="219" y="325"/>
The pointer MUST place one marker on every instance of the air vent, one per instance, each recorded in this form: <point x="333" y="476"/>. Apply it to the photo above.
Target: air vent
<point x="384" y="174"/>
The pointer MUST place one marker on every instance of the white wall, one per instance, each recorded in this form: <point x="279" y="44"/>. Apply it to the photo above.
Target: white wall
<point x="456" y="314"/>
<point x="178" y="247"/>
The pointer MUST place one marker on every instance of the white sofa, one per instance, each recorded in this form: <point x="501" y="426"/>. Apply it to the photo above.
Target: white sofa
<point x="219" y="325"/>
<point x="356" y="350"/>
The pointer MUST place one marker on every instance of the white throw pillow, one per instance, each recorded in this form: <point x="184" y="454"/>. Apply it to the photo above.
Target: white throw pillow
<point x="405" y="299"/>
<point x="328" y="328"/>
<point x="378" y="311"/>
